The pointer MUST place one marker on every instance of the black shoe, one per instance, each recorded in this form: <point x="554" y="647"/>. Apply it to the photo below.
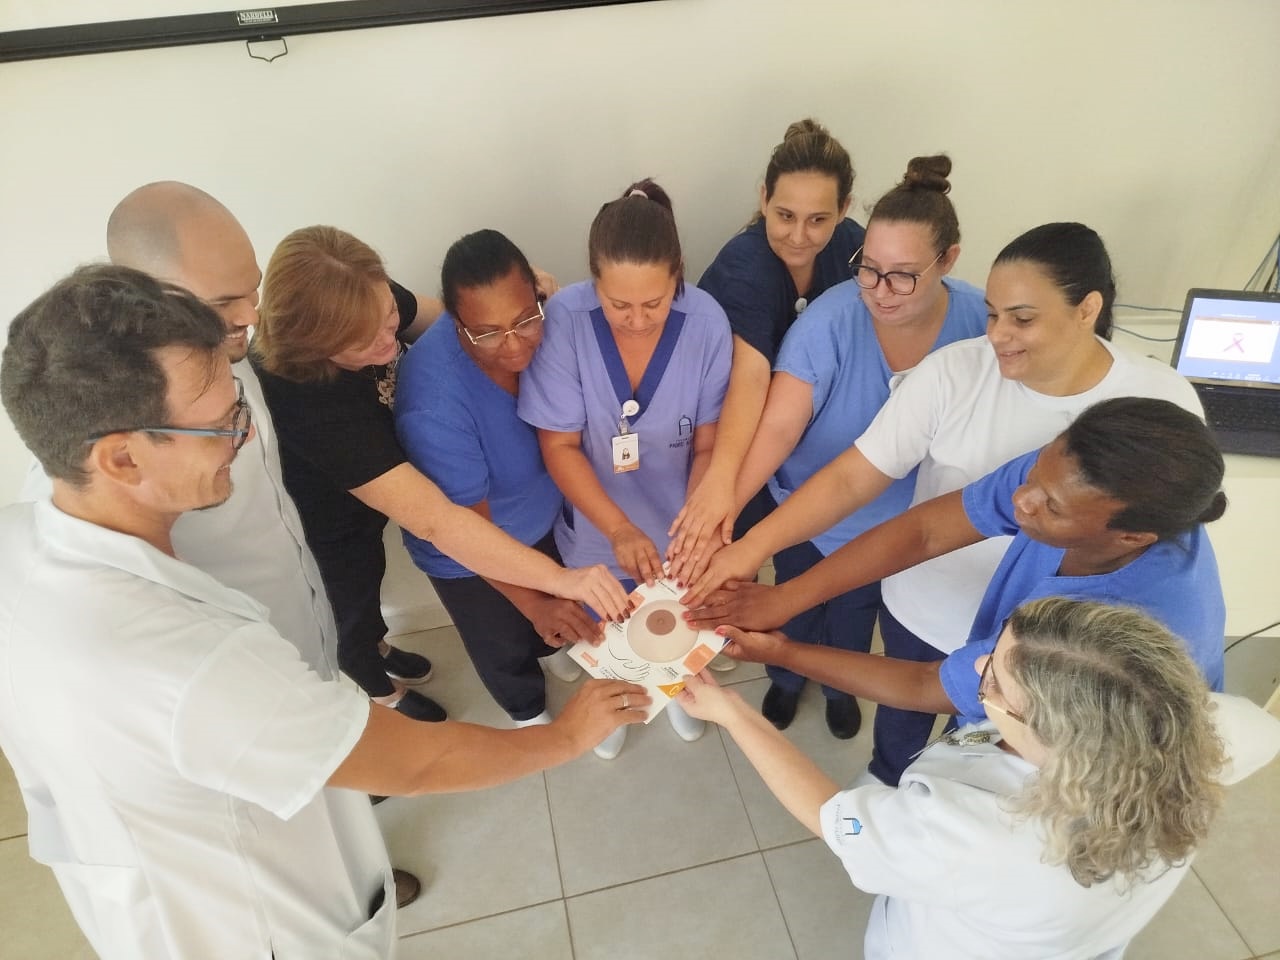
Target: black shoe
<point x="407" y="667"/>
<point x="417" y="707"/>
<point x="407" y="887"/>
<point x="779" y="706"/>
<point x="844" y="718"/>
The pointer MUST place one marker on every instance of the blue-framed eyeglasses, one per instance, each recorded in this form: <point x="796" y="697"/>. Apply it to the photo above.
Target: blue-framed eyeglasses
<point x="241" y="425"/>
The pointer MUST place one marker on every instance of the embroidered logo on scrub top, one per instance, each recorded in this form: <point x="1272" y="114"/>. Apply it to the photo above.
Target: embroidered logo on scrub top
<point x="684" y="433"/>
<point x="854" y="826"/>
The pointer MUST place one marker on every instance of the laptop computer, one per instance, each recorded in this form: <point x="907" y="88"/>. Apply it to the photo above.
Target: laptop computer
<point x="1228" y="346"/>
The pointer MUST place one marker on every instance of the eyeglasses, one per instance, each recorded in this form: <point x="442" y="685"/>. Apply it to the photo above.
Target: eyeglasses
<point x="988" y="682"/>
<point x="241" y="420"/>
<point x="898" y="281"/>
<point x="526" y="329"/>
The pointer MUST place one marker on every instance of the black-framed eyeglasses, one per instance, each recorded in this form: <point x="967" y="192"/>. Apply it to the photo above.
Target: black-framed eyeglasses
<point x="241" y="425"/>
<point x="988" y="682"/>
<point x="526" y="329"/>
<point x="898" y="281"/>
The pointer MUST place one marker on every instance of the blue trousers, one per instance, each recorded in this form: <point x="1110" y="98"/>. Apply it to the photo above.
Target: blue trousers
<point x="900" y="734"/>
<point x="845" y="622"/>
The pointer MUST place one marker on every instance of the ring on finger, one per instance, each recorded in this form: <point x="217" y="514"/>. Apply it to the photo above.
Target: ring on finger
<point x="626" y="702"/>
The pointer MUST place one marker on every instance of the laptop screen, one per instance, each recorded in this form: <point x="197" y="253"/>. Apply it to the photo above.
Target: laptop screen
<point x="1231" y="337"/>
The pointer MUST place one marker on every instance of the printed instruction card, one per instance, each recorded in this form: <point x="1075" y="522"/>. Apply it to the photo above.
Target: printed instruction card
<point x="654" y="647"/>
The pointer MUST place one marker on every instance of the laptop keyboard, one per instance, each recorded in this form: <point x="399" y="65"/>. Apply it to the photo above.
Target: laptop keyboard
<point x="1243" y="412"/>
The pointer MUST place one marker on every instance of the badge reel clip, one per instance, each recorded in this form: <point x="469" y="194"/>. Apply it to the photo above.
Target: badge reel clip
<point x="626" y="445"/>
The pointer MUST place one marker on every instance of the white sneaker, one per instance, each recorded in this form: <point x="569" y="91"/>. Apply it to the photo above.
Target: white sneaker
<point x="722" y="664"/>
<point x="686" y="727"/>
<point x="562" y="666"/>
<point x="541" y="720"/>
<point x="611" y="746"/>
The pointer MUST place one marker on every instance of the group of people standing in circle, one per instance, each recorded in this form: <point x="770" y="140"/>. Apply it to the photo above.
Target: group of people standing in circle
<point x="912" y="452"/>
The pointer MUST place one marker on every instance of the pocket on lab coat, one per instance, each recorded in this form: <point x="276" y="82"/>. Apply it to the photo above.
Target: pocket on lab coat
<point x="373" y="939"/>
<point x="113" y="908"/>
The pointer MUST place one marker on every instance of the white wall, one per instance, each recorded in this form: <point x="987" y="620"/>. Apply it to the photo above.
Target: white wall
<point x="1152" y="120"/>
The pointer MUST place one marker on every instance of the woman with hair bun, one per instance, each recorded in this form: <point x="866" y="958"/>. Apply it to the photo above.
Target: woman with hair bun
<point x="625" y="393"/>
<point x="832" y="376"/>
<point x="797" y="245"/>
<point x="1055" y="826"/>
<point x="966" y="409"/>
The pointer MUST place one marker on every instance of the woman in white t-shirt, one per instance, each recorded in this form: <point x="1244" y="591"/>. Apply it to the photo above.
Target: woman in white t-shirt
<point x="962" y="412"/>
<point x="1055" y="828"/>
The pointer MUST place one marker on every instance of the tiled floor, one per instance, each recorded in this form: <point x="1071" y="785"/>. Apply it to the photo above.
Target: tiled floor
<point x="671" y="849"/>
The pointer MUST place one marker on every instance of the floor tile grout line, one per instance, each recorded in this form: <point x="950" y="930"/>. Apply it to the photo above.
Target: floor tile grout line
<point x="738" y="786"/>
<point x="667" y="873"/>
<point x="487" y="916"/>
<point x="1253" y="951"/>
<point x="555" y="846"/>
<point x="795" y="949"/>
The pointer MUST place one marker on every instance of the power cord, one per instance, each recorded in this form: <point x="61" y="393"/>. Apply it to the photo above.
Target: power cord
<point x="1143" y="336"/>
<point x="1239" y="640"/>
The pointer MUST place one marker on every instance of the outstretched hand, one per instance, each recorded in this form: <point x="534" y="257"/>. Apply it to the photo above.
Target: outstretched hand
<point x="703" y="525"/>
<point x="559" y="621"/>
<point x="737" y="561"/>
<point x="705" y="699"/>
<point x="636" y="554"/>
<point x="597" y="588"/>
<point x="752" y="646"/>
<point x="598" y="708"/>
<point x="741" y="603"/>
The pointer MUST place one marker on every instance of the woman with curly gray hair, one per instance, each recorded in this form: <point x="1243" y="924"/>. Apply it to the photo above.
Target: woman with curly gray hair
<point x="1055" y="828"/>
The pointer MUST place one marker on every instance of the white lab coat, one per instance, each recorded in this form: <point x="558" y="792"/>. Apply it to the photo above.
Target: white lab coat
<point x="960" y="877"/>
<point x="172" y="751"/>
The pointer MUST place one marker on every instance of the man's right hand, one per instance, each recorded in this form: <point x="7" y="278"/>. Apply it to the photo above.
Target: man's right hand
<point x="598" y="708"/>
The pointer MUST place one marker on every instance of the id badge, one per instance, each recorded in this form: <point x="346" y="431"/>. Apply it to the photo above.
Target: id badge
<point x="626" y="453"/>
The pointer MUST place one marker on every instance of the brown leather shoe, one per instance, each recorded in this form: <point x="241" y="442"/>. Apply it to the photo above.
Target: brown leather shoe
<point x="407" y="887"/>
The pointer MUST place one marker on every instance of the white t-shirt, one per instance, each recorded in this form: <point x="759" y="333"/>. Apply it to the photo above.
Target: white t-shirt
<point x="254" y="542"/>
<point x="959" y="419"/>
<point x="172" y="750"/>
<point x="960" y="877"/>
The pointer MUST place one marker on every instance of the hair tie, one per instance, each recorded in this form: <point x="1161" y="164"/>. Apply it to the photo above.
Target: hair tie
<point x="637" y="193"/>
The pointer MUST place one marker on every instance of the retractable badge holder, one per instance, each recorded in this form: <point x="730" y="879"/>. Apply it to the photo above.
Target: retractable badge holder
<point x="626" y="445"/>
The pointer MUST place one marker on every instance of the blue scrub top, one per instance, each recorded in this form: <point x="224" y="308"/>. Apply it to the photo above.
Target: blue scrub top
<point x="1176" y="581"/>
<point x="460" y="429"/>
<point x="833" y="346"/>
<point x="568" y="389"/>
